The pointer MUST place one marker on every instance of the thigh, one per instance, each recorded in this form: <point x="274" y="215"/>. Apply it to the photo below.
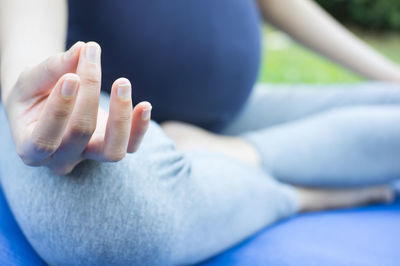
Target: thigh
<point x="99" y="211"/>
<point x="271" y="105"/>
<point x="159" y="206"/>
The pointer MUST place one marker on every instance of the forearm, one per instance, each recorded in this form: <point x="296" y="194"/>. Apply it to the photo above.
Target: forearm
<point x="310" y="25"/>
<point x="30" y="32"/>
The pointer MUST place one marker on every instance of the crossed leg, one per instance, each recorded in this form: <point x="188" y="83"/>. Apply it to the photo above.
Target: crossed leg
<point x="159" y="206"/>
<point x="318" y="137"/>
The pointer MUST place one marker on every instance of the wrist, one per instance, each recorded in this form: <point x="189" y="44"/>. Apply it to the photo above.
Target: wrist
<point x="394" y="74"/>
<point x="385" y="73"/>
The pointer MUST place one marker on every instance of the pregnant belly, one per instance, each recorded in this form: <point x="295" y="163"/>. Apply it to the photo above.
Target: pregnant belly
<point x="195" y="61"/>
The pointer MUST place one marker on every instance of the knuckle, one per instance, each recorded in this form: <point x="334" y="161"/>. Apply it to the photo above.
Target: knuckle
<point x="34" y="151"/>
<point x="92" y="81"/>
<point x="61" y="113"/>
<point x="91" y="75"/>
<point x="83" y="127"/>
<point x="44" y="146"/>
<point x="122" y="122"/>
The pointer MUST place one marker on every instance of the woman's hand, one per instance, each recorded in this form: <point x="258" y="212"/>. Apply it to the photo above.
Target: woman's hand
<point x="54" y="113"/>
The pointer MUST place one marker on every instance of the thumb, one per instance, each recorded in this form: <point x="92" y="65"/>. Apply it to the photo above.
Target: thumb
<point x="44" y="76"/>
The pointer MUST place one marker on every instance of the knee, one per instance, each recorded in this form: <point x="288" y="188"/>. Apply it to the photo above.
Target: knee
<point x="92" y="220"/>
<point x="101" y="214"/>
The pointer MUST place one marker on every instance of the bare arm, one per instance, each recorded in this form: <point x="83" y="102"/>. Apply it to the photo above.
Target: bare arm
<point x="30" y="31"/>
<point x="309" y="24"/>
<point x="52" y="105"/>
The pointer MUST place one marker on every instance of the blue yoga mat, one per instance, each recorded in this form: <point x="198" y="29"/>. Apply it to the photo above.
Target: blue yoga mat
<point x="362" y="236"/>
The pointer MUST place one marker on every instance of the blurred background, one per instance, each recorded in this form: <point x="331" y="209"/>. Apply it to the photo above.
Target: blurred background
<point x="375" y="21"/>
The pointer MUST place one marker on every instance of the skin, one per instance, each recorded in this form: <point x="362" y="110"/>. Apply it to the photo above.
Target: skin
<point x="310" y="25"/>
<point x="57" y="132"/>
<point x="327" y="37"/>
<point x="189" y="137"/>
<point x="51" y="129"/>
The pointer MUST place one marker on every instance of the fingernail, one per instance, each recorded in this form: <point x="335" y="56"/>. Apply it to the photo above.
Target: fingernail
<point x="124" y="92"/>
<point x="92" y="53"/>
<point x="69" y="88"/>
<point x="146" y="113"/>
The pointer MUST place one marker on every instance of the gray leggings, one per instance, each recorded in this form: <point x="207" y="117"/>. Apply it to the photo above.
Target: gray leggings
<point x="162" y="206"/>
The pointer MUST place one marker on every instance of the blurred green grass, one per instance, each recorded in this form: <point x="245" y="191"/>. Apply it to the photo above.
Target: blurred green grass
<point x="284" y="61"/>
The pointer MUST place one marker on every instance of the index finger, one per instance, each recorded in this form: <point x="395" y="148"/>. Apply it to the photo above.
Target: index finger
<point x="48" y="132"/>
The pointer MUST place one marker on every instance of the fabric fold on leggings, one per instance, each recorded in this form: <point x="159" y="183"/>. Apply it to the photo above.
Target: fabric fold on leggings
<point x="159" y="206"/>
